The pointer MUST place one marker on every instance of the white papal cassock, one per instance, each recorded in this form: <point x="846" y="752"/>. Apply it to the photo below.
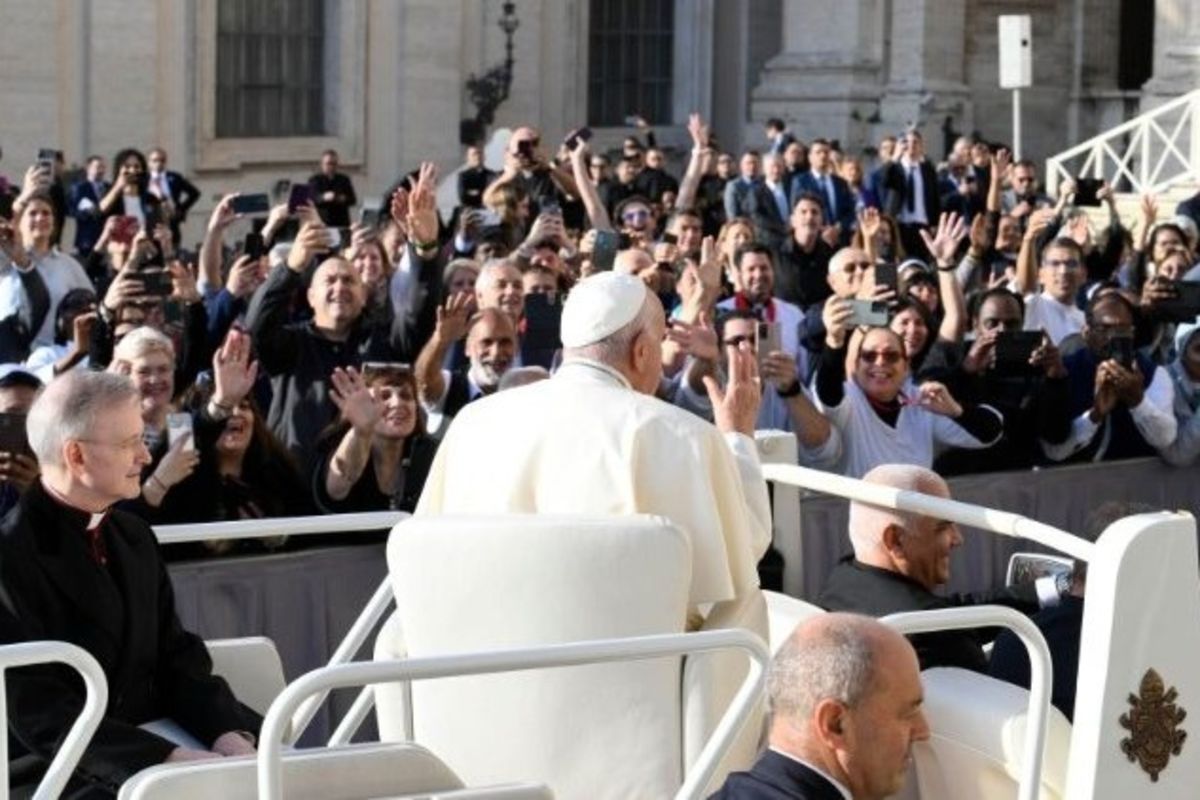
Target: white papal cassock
<point x="584" y="442"/>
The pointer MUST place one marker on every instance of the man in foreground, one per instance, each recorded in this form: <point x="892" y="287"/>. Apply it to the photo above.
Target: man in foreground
<point x="73" y="569"/>
<point x="845" y="699"/>
<point x="593" y="439"/>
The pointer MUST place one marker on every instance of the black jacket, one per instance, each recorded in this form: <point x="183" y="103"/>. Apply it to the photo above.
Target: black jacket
<point x="776" y="777"/>
<point x="895" y="190"/>
<point x="124" y="616"/>
<point x="334" y="213"/>
<point x="854" y="586"/>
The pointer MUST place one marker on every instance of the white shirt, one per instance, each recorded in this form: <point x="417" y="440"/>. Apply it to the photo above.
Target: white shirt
<point x="868" y="441"/>
<point x="585" y="442"/>
<point x="1154" y="418"/>
<point x="133" y="208"/>
<point x="42" y="360"/>
<point x="919" y="214"/>
<point x="1043" y="312"/>
<point x="58" y="271"/>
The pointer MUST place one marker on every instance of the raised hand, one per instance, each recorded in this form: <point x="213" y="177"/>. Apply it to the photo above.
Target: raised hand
<point x="179" y="462"/>
<point x="222" y="215"/>
<point x="454" y="316"/>
<point x="869" y="222"/>
<point x="780" y="369"/>
<point x="310" y="241"/>
<point x="244" y="277"/>
<point x="936" y="398"/>
<point x="735" y="409"/>
<point x="422" y="206"/>
<point x="81" y="331"/>
<point x="1048" y="358"/>
<point x="837" y="315"/>
<point x="982" y="355"/>
<point x="698" y="131"/>
<point x="944" y="244"/>
<point x="355" y="401"/>
<point x="696" y="339"/>
<point x="233" y="371"/>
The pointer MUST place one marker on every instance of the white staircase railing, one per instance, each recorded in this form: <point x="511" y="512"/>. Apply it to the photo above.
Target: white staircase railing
<point x="1149" y="153"/>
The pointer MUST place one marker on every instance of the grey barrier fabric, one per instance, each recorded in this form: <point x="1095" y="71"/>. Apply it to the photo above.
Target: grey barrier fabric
<point x="304" y="601"/>
<point x="1062" y="497"/>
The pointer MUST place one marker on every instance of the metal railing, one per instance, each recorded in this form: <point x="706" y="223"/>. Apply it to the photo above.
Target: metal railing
<point x="988" y="519"/>
<point x="1149" y="153"/>
<point x="1038" y="716"/>
<point x="279" y="526"/>
<point x="70" y="750"/>
<point x="278" y="723"/>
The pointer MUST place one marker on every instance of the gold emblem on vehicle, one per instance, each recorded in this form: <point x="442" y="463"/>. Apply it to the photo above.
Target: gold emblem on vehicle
<point x="1153" y="723"/>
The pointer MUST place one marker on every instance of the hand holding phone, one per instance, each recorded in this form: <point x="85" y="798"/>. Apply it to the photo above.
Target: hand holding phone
<point x="766" y="341"/>
<point x="178" y="426"/>
<point x="250" y="204"/>
<point x="869" y="314"/>
<point x="299" y="195"/>
<point x="1014" y="349"/>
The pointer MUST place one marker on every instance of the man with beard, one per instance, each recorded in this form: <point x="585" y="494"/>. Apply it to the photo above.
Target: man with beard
<point x="491" y="347"/>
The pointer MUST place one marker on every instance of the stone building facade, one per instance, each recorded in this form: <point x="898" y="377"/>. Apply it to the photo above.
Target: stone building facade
<point x="90" y="77"/>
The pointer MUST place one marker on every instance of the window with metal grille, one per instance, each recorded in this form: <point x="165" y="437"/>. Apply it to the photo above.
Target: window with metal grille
<point x="630" y="60"/>
<point x="270" y="68"/>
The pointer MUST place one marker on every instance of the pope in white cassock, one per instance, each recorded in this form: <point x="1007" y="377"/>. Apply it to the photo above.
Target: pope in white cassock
<point x="594" y="439"/>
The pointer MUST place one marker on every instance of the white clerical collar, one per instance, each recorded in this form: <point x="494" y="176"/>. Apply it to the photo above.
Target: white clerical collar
<point x="837" y="785"/>
<point x="94" y="520"/>
<point x="575" y="365"/>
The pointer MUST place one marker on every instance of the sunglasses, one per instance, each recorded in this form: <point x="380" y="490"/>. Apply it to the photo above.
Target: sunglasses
<point x="888" y="357"/>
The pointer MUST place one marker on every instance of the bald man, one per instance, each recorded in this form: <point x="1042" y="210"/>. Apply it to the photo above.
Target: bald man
<point x="900" y="559"/>
<point x="300" y="357"/>
<point x="594" y="440"/>
<point x="491" y="347"/>
<point x="845" y="698"/>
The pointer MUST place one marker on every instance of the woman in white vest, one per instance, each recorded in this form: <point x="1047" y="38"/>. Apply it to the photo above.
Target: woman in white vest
<point x="882" y="418"/>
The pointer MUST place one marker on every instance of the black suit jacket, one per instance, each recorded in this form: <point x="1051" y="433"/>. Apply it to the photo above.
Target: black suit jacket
<point x="124" y="615"/>
<point x="854" y="586"/>
<point x="895" y="190"/>
<point x="772" y="228"/>
<point x="90" y="223"/>
<point x="777" y="777"/>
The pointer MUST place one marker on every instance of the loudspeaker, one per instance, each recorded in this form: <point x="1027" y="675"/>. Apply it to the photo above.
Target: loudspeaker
<point x="1016" y="52"/>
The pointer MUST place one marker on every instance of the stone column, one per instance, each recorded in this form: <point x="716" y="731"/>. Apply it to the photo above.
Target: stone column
<point x="1176" y="52"/>
<point x="926" y="70"/>
<point x="827" y="80"/>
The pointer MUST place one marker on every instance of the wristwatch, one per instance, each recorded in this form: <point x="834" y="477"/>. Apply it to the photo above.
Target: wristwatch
<point x="790" y="391"/>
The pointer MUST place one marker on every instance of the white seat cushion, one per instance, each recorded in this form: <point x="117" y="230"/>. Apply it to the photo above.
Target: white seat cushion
<point x="977" y="739"/>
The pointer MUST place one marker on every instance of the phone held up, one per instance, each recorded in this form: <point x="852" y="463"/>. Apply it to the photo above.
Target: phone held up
<point x="766" y="341"/>
<point x="179" y="425"/>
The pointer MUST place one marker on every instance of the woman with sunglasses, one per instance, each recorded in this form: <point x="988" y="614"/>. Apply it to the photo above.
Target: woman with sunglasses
<point x="882" y="417"/>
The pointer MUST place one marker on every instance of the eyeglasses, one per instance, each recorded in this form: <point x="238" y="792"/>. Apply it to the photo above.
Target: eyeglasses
<point x="856" y="266"/>
<point x="888" y="357"/>
<point x="132" y="443"/>
<point x="1061" y="263"/>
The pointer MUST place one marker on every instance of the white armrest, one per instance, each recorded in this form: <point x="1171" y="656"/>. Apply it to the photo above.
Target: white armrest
<point x="784" y="613"/>
<point x="251" y="667"/>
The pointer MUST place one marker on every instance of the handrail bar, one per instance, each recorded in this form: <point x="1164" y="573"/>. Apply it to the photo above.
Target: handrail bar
<point x="279" y="716"/>
<point x="71" y="749"/>
<point x="1002" y="522"/>
<point x="351" y="643"/>
<point x="1041" y="672"/>
<point x="279" y="526"/>
<point x="1127" y="126"/>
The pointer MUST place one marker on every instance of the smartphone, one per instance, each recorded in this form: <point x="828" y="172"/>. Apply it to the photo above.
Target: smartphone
<point x="1014" y="349"/>
<point x="124" y="229"/>
<point x="1086" y="190"/>
<point x="299" y="195"/>
<point x="1120" y="349"/>
<point x="253" y="245"/>
<point x="6" y="204"/>
<point x="1183" y="307"/>
<point x="670" y="238"/>
<point x="552" y="209"/>
<point x="156" y="282"/>
<point x="370" y="217"/>
<point x="46" y="158"/>
<point x="12" y="435"/>
<point x="885" y="275"/>
<point x="766" y="341"/>
<point x="179" y="426"/>
<point x="250" y="204"/>
<point x="576" y="136"/>
<point x="604" y="253"/>
<point x="870" y="314"/>
<point x="543" y="322"/>
<point x="525" y="149"/>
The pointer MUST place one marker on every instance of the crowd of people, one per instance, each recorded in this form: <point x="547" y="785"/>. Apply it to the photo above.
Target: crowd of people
<point x="947" y="315"/>
<point x="905" y="320"/>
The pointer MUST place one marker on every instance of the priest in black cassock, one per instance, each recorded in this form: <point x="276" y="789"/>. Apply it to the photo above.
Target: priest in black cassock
<point x="75" y="570"/>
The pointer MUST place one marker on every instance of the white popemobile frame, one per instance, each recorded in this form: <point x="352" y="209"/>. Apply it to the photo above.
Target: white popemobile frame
<point x="1141" y="615"/>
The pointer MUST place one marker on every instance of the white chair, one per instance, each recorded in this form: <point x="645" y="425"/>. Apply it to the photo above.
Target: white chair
<point x="617" y="730"/>
<point x="977" y="738"/>
<point x="784" y="613"/>
<point x="251" y="667"/>
<point x="355" y="772"/>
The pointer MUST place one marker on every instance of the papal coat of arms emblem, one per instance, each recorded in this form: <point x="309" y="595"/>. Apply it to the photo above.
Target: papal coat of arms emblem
<point x="1153" y="724"/>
